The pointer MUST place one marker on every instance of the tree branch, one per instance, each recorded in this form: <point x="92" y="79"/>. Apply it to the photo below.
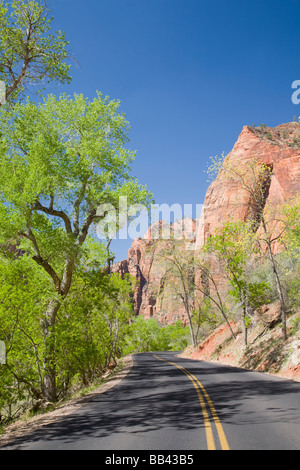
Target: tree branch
<point x="89" y="220"/>
<point x="77" y="207"/>
<point x="40" y="261"/>
<point x="50" y="211"/>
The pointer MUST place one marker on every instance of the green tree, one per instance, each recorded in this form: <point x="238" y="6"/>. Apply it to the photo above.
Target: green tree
<point x="60" y="160"/>
<point x="207" y="286"/>
<point x="290" y="254"/>
<point x="148" y="335"/>
<point x="234" y="247"/>
<point x="90" y="329"/>
<point x="178" y="263"/>
<point x="30" y="55"/>
<point x="291" y="234"/>
<point x="25" y="289"/>
<point x="93" y="322"/>
<point x="254" y="180"/>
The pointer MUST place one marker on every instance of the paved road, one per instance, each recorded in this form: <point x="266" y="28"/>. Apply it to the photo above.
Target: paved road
<point x="169" y="403"/>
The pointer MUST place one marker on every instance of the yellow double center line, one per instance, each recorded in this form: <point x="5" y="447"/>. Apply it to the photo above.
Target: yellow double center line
<point x="201" y="392"/>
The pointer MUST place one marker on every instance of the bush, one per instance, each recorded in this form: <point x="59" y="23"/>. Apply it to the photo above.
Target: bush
<point x="148" y="335"/>
<point x="295" y="325"/>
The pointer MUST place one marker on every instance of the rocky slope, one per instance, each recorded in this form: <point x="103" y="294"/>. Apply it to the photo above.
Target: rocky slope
<point x="279" y="148"/>
<point x="267" y="352"/>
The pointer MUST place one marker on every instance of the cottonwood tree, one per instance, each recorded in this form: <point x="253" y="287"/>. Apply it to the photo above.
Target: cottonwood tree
<point x="59" y="160"/>
<point x="92" y="324"/>
<point x="90" y="331"/>
<point x="30" y="54"/>
<point x="234" y="247"/>
<point x="254" y="180"/>
<point x="290" y="249"/>
<point x="207" y="284"/>
<point x="184" y="269"/>
<point x="179" y="272"/>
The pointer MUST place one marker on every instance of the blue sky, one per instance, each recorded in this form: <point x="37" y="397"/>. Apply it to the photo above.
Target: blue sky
<point x="189" y="73"/>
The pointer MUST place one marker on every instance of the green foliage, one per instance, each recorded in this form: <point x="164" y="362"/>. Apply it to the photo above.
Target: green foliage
<point x="216" y="165"/>
<point x="205" y="317"/>
<point x="147" y="335"/>
<point x="23" y="296"/>
<point x="235" y="248"/>
<point x="30" y="53"/>
<point x="61" y="151"/>
<point x="234" y="245"/>
<point x="59" y="161"/>
<point x="291" y="235"/>
<point x="63" y="319"/>
<point x="93" y="321"/>
<point x="89" y="334"/>
<point x="295" y="325"/>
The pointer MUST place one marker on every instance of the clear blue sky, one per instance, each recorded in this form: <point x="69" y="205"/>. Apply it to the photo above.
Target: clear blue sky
<point x="189" y="73"/>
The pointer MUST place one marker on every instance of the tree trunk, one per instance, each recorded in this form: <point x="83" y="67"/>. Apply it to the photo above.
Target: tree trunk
<point x="244" y="326"/>
<point x="49" y="390"/>
<point x="187" y="309"/>
<point x="219" y="304"/>
<point x="278" y="283"/>
<point x="48" y="325"/>
<point x="281" y="298"/>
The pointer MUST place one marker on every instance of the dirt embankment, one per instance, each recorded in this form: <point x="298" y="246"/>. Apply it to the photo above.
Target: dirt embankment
<point x="266" y="351"/>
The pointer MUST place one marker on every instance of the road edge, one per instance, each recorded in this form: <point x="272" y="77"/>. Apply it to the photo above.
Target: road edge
<point x="22" y="428"/>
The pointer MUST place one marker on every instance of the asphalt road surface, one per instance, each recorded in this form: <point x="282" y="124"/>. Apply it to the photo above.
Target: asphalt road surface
<point x="169" y="403"/>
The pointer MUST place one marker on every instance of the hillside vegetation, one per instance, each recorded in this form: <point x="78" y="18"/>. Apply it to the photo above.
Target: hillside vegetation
<point x="266" y="351"/>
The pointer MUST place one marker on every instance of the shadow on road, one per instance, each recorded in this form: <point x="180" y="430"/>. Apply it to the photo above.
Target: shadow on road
<point x="155" y="395"/>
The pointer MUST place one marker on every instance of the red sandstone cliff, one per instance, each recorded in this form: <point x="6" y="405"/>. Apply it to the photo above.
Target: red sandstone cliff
<point x="152" y="295"/>
<point x="278" y="147"/>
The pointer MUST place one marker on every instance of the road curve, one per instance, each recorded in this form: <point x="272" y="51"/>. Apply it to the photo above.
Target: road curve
<point x="170" y="403"/>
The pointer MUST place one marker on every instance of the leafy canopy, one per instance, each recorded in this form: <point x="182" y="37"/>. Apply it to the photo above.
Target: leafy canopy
<point x="59" y="161"/>
<point x="29" y="53"/>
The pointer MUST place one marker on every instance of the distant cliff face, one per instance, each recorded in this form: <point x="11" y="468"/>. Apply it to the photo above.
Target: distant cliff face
<point x="277" y="147"/>
<point x="153" y="296"/>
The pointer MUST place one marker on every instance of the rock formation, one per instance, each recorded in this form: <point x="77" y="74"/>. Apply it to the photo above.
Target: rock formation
<point x="279" y="148"/>
<point x="152" y="294"/>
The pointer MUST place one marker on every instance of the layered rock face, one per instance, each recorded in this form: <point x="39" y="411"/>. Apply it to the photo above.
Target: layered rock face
<point x="153" y="295"/>
<point x="279" y="148"/>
